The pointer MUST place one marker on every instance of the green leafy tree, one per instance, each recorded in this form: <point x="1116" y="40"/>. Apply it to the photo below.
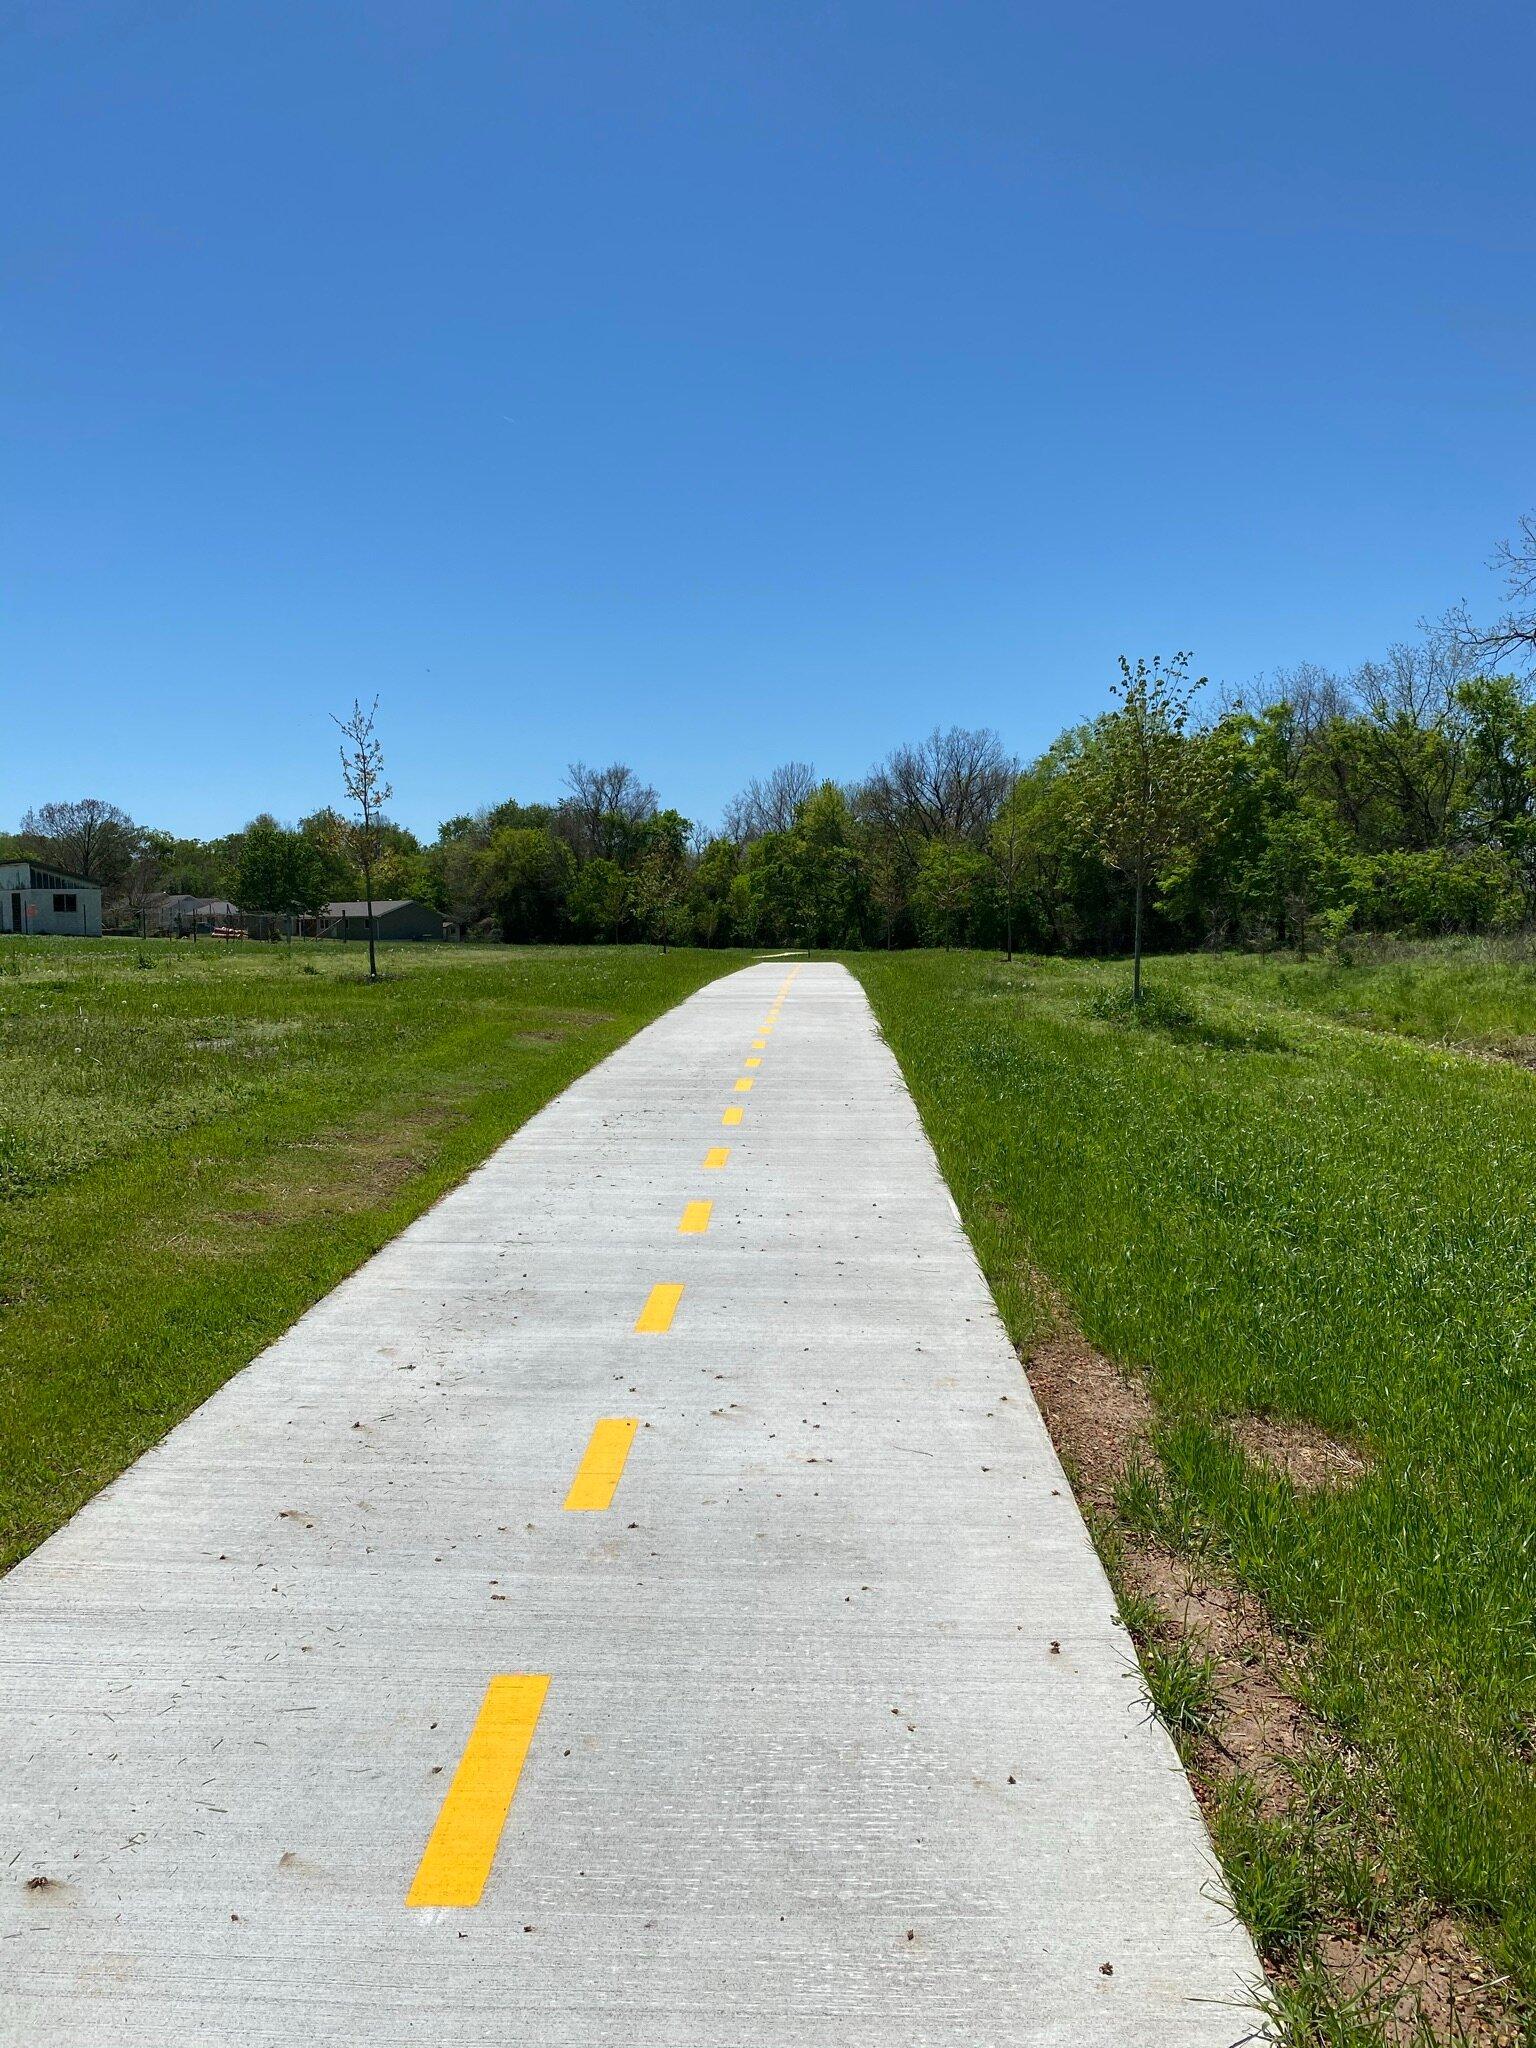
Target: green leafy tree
<point x="1139" y="795"/>
<point x="1008" y="844"/>
<point x="954" y="894"/>
<point x="661" y="880"/>
<point x="264" y="872"/>
<point x="709" y="892"/>
<point x="1304" y="870"/>
<point x="89" y="838"/>
<point x="808" y="881"/>
<point x="599" y="900"/>
<point x="1500" y="793"/>
<point x="526" y="874"/>
<point x="324" y="872"/>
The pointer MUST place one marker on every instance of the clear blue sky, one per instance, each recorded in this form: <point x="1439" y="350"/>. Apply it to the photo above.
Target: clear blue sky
<point x="707" y="383"/>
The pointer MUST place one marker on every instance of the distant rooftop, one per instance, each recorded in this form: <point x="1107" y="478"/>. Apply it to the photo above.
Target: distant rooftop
<point x="41" y="877"/>
<point x="379" y="908"/>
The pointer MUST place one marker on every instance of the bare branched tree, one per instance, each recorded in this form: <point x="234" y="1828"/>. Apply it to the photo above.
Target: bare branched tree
<point x="950" y="786"/>
<point x="770" y="804"/>
<point x="1513" y="634"/>
<point x="1418" y="725"/>
<point x="603" y="807"/>
<point x="362" y="777"/>
<point x="90" y="838"/>
<point x="1313" y="696"/>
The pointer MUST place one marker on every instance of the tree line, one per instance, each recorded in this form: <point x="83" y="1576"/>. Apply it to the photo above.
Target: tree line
<point x="1399" y="797"/>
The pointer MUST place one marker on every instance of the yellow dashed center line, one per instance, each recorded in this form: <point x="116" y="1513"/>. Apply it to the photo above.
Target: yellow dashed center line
<point x="602" y="1464"/>
<point x="751" y="1061"/>
<point x="456" y="1862"/>
<point x="660" y="1307"/>
<point x="462" y="1846"/>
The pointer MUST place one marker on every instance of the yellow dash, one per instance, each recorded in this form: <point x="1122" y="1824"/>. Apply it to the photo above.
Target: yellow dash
<point x="660" y="1308"/>
<point x="717" y="1155"/>
<point x="602" y="1464"/>
<point x="732" y="1116"/>
<point x="461" y="1848"/>
<point x="751" y="1063"/>
<point x="695" y="1218"/>
<point x="744" y="1085"/>
<point x="759" y="1044"/>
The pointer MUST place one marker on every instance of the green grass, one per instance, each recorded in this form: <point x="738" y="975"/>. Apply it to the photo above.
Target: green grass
<point x="1470" y="992"/>
<point x="1270" y="1213"/>
<point x="196" y="1142"/>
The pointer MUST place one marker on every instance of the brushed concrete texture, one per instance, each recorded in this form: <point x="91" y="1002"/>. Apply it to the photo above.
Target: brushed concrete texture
<point x="810" y="1770"/>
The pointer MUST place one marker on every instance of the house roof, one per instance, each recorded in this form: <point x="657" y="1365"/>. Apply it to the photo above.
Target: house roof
<point x="58" y="878"/>
<point x="379" y="909"/>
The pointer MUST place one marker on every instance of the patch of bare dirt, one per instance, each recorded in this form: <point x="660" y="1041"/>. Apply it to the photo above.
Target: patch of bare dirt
<point x="1427" y="1982"/>
<point x="1307" y="1456"/>
<point x="1435" y="1979"/>
<point x="1099" y="1419"/>
<point x="1097" y="1415"/>
<point x="1497" y="1052"/>
<point x="1515" y="1052"/>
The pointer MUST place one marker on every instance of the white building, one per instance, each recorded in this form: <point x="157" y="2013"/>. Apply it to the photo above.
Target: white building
<point x="38" y="899"/>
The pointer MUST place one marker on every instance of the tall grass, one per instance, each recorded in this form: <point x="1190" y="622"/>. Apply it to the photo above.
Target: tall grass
<point x="1477" y="992"/>
<point x="1269" y="1213"/>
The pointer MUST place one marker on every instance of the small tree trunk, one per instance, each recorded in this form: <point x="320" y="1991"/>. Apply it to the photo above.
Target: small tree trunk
<point x="373" y="964"/>
<point x="1136" y="950"/>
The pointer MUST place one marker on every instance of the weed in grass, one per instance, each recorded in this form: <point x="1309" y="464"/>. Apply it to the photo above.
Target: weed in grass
<point x="1310" y="2011"/>
<point x="1180" y="1685"/>
<point x="1266" y="1871"/>
<point x="1135" y="1612"/>
<point x="1160" y="1009"/>
<point x="1164" y="1511"/>
<point x="1139" y="1496"/>
<point x="1169" y="1011"/>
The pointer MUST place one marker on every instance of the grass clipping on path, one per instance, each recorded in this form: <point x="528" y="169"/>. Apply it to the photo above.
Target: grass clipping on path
<point x="197" y="1142"/>
<point x="1313" y="1248"/>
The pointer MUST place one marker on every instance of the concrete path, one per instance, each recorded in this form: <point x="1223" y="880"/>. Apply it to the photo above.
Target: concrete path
<point x="752" y="1670"/>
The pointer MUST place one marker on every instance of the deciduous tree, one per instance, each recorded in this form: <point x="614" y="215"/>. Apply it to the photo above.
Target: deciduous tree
<point x="1138" y="794"/>
<point x="362" y="776"/>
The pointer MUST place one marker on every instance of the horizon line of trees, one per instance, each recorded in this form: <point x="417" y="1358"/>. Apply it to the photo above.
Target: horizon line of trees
<point x="1399" y="797"/>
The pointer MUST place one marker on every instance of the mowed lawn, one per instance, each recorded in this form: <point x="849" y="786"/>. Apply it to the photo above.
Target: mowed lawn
<point x="1281" y="1205"/>
<point x="196" y="1142"/>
